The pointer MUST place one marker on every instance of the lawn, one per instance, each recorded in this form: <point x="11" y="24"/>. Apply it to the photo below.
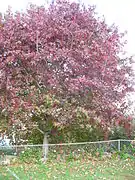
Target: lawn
<point x="74" y="170"/>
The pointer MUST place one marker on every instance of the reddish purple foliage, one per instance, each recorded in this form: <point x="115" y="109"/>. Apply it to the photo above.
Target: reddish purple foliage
<point x="70" y="52"/>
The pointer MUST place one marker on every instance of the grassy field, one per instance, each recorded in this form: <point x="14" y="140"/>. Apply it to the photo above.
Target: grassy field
<point x="75" y="170"/>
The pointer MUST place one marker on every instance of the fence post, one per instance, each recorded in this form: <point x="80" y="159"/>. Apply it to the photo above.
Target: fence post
<point x="119" y="145"/>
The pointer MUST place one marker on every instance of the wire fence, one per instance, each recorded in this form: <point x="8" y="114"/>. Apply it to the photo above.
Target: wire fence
<point x="66" y="151"/>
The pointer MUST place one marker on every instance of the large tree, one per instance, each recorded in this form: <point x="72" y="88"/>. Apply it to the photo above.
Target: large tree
<point x="65" y="52"/>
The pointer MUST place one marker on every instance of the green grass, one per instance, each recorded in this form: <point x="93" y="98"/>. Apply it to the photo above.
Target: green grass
<point x="74" y="170"/>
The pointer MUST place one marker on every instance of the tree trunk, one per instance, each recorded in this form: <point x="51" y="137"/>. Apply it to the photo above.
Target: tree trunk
<point x="106" y="135"/>
<point x="45" y="147"/>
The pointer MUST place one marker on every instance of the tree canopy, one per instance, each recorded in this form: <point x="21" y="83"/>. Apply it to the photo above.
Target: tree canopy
<point x="65" y="52"/>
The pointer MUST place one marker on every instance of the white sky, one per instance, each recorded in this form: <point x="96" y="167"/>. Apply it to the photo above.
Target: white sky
<point x="120" y="12"/>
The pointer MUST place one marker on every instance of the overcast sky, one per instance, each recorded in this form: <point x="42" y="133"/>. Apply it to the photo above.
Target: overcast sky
<point x="120" y="12"/>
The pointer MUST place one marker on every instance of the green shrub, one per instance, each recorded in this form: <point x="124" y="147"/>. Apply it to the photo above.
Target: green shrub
<point x="36" y="137"/>
<point x="32" y="155"/>
<point x="119" y="133"/>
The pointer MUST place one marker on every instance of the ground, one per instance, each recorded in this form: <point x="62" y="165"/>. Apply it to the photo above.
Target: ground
<point x="74" y="170"/>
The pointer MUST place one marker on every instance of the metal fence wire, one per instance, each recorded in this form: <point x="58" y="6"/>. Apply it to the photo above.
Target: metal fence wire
<point x="67" y="151"/>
